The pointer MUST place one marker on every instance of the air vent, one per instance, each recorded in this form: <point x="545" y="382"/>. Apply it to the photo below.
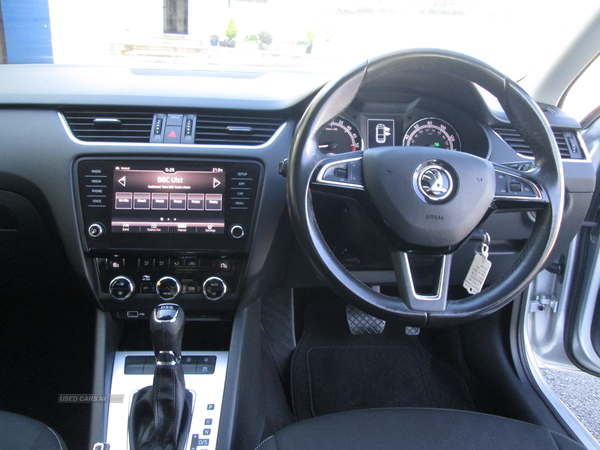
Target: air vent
<point x="222" y="129"/>
<point x="513" y="138"/>
<point x="110" y="126"/>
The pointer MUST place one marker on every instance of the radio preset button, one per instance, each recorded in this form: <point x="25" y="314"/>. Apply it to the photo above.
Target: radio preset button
<point x="160" y="201"/>
<point x="123" y="200"/>
<point x="214" y="202"/>
<point x="141" y="200"/>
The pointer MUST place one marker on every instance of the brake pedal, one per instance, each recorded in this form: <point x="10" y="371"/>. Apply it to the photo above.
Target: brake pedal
<point x="360" y="322"/>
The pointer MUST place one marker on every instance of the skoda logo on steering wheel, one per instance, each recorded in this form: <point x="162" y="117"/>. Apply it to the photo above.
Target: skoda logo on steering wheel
<point x="434" y="182"/>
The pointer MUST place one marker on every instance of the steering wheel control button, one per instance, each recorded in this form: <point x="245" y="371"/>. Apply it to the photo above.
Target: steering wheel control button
<point x="96" y="230"/>
<point x="337" y="172"/>
<point x="237" y="231"/>
<point x="355" y="176"/>
<point x="510" y="186"/>
<point x="501" y="183"/>
<point x="121" y="288"/>
<point x="214" y="288"/>
<point x="168" y="288"/>
<point x="346" y="173"/>
<point x="341" y="172"/>
<point x="516" y="187"/>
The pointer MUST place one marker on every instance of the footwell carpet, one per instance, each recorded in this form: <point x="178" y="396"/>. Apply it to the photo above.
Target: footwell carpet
<point x="334" y="371"/>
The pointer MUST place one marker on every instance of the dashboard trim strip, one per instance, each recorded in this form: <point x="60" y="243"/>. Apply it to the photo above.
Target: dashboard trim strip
<point x="71" y="136"/>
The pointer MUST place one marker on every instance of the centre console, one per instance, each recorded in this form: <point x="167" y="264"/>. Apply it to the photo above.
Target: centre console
<point x="204" y="376"/>
<point x="166" y="230"/>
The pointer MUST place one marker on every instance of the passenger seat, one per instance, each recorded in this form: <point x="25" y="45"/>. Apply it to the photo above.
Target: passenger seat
<point x="22" y="433"/>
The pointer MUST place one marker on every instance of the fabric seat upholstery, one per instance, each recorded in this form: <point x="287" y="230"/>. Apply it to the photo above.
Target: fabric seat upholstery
<point x="414" y="429"/>
<point x="22" y="433"/>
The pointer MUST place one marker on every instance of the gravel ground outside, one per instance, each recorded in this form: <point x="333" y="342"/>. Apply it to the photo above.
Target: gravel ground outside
<point x="581" y="393"/>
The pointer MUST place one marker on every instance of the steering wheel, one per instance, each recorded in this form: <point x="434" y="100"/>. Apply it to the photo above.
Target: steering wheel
<point x="427" y="200"/>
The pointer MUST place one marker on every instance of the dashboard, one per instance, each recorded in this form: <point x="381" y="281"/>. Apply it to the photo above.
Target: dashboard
<point x="178" y="193"/>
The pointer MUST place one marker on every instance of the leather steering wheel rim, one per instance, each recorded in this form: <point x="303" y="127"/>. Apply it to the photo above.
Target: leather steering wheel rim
<point x="524" y="114"/>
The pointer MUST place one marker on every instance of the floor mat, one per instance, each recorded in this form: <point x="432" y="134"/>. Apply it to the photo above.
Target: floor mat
<point x="334" y="371"/>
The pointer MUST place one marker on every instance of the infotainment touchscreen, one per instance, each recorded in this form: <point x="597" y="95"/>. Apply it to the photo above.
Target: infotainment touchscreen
<point x="168" y="201"/>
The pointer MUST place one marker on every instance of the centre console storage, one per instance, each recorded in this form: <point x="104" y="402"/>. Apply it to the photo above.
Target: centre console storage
<point x="166" y="230"/>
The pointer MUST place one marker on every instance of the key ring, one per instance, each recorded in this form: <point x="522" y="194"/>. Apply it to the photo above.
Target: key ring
<point x="484" y="247"/>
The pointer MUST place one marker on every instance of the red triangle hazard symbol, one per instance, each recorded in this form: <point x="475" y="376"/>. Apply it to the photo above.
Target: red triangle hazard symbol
<point x="172" y="134"/>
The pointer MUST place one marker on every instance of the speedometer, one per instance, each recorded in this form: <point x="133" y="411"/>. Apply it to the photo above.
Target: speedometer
<point x="339" y="136"/>
<point x="432" y="132"/>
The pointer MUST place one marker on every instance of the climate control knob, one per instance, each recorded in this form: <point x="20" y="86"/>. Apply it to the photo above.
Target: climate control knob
<point x="121" y="288"/>
<point x="168" y="288"/>
<point x="214" y="288"/>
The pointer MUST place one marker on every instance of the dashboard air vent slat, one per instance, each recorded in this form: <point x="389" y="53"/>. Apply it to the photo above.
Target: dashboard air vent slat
<point x="110" y="126"/>
<point x="513" y="138"/>
<point x="221" y="129"/>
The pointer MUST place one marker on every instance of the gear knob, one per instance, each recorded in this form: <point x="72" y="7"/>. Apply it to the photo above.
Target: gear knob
<point x="166" y="327"/>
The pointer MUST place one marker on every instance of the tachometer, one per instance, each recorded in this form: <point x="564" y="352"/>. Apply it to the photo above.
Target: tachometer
<point x="432" y="132"/>
<point x="339" y="136"/>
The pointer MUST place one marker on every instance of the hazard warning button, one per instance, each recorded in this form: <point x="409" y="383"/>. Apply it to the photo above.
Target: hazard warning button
<point x="172" y="134"/>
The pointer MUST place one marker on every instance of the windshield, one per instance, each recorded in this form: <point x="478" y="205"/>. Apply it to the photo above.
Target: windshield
<point x="289" y="35"/>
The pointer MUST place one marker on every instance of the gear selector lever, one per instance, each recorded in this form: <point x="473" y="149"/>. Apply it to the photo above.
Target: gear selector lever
<point x="166" y="326"/>
<point x="160" y="415"/>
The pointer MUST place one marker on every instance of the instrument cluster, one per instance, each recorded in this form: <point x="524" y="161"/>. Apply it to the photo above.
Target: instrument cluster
<point x="358" y="129"/>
